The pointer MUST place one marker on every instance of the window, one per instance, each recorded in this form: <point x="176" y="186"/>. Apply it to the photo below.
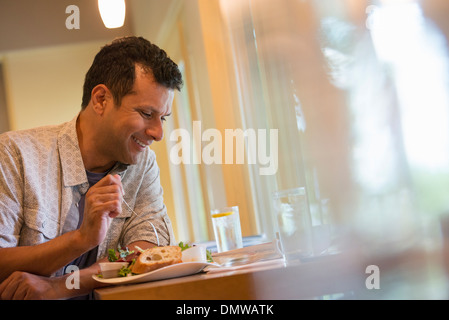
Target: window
<point x="359" y="103"/>
<point x="359" y="94"/>
<point x="197" y="41"/>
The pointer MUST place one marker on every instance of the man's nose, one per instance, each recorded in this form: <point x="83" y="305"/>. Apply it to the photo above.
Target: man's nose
<point x="155" y="130"/>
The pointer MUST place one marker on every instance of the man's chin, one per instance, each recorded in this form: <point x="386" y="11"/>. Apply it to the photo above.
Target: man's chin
<point x="130" y="160"/>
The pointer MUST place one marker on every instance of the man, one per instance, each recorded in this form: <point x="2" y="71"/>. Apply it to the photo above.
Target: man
<point x="70" y="192"/>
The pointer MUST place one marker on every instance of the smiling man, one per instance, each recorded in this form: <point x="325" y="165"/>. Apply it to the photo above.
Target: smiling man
<point x="70" y="192"/>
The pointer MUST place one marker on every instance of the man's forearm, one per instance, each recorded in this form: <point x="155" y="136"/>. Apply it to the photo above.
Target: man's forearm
<point x="28" y="286"/>
<point x="43" y="259"/>
<point x="66" y="288"/>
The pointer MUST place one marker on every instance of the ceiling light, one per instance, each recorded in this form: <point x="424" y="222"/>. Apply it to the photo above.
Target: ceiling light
<point x="112" y="12"/>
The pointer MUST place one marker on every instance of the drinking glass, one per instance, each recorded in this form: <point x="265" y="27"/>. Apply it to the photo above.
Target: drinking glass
<point x="227" y="230"/>
<point x="293" y="224"/>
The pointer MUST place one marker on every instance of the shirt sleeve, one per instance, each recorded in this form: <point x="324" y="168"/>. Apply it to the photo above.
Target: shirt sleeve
<point x="11" y="194"/>
<point x="149" y="221"/>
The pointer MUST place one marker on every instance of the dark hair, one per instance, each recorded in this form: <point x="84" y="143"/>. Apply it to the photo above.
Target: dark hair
<point x="114" y="66"/>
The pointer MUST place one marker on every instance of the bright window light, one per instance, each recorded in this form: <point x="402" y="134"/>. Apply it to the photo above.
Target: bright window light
<point x="417" y="54"/>
<point x="112" y="12"/>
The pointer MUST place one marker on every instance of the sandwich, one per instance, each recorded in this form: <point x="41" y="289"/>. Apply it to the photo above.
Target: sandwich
<point x="155" y="258"/>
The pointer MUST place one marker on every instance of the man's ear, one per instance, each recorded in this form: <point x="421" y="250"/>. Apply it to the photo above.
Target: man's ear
<point x="100" y="98"/>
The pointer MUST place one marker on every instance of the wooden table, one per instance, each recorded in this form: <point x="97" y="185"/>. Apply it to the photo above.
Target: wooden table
<point x="269" y="280"/>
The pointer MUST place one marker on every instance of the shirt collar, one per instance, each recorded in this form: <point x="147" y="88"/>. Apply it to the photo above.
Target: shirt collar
<point x="74" y="172"/>
<point x="70" y="155"/>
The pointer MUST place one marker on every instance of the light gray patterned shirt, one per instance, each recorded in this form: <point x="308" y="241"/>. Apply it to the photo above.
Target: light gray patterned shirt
<point x="42" y="178"/>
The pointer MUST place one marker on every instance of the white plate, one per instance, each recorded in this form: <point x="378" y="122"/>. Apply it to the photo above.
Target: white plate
<point x="172" y="271"/>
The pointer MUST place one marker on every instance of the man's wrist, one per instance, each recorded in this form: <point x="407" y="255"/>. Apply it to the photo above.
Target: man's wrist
<point x="79" y="243"/>
<point x="73" y="284"/>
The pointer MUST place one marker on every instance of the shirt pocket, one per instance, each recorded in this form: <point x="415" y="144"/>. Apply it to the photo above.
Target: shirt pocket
<point x="38" y="227"/>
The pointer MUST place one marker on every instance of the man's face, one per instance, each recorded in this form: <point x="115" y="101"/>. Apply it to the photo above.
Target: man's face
<point x="138" y="122"/>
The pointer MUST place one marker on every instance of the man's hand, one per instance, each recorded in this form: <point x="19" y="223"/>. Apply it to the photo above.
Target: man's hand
<point x="103" y="203"/>
<point x="26" y="286"/>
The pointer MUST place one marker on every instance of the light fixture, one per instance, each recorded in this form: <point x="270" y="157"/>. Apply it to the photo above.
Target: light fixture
<point x="112" y="12"/>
